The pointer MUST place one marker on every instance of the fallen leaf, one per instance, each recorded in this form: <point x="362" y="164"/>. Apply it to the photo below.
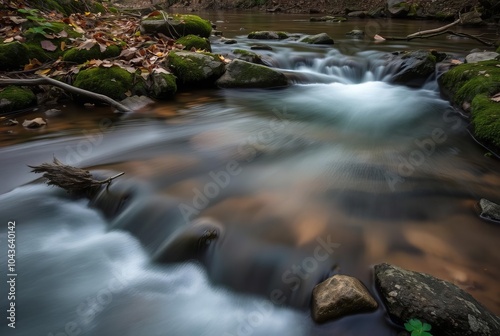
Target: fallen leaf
<point x="102" y="47"/>
<point x="17" y="19"/>
<point x="42" y="72"/>
<point x="456" y="62"/>
<point x="63" y="45"/>
<point x="47" y="45"/>
<point x="63" y="33"/>
<point x="35" y="123"/>
<point x="87" y="45"/>
<point x="32" y="64"/>
<point x="8" y="40"/>
<point x="496" y="98"/>
<point x="377" y="37"/>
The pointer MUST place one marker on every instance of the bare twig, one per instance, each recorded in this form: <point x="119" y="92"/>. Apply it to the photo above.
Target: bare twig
<point x="49" y="81"/>
<point x="432" y="31"/>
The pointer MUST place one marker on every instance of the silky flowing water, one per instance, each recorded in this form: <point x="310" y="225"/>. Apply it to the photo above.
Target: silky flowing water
<point x="334" y="174"/>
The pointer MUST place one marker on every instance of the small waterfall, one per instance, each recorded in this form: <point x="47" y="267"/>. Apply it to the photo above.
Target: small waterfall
<point x="333" y="67"/>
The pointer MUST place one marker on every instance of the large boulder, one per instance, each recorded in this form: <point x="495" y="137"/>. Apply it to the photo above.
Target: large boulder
<point x="195" y="68"/>
<point x="113" y="82"/>
<point x="176" y="25"/>
<point x="397" y="8"/>
<point x="241" y="74"/>
<point x="338" y="296"/>
<point x="322" y="38"/>
<point x="448" y="309"/>
<point x="13" y="98"/>
<point x="267" y="35"/>
<point x="414" y="68"/>
<point x="481" y="56"/>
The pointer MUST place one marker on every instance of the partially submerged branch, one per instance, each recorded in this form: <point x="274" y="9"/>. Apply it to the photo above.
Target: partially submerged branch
<point x="66" y="87"/>
<point x="72" y="179"/>
<point x="433" y="31"/>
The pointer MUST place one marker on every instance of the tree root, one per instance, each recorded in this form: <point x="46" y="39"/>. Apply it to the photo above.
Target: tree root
<point x="67" y="87"/>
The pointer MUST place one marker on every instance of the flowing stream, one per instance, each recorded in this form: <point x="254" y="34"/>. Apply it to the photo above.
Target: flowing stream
<point x="334" y="174"/>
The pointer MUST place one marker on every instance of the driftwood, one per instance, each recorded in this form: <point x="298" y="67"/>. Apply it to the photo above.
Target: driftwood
<point x="433" y="31"/>
<point x="73" y="180"/>
<point x="67" y="87"/>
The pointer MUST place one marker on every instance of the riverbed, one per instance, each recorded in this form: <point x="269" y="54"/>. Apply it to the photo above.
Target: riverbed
<point x="384" y="173"/>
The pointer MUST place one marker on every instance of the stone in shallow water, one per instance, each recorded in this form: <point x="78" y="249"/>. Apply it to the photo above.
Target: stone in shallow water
<point x="448" y="309"/>
<point x="489" y="209"/>
<point x="338" y="296"/>
<point x="481" y="56"/>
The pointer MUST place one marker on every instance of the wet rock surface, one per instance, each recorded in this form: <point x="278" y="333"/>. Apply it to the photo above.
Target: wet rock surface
<point x="450" y="310"/>
<point x="338" y="296"/>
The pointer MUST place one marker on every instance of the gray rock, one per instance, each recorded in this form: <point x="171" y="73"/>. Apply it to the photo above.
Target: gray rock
<point x="261" y="47"/>
<point x="481" y="56"/>
<point x="163" y="85"/>
<point x="53" y="113"/>
<point x="247" y="56"/>
<point x="356" y="33"/>
<point x="241" y="74"/>
<point x="267" y="35"/>
<point x="448" y="309"/>
<point x="360" y="14"/>
<point x="322" y="38"/>
<point x="489" y="209"/>
<point x="471" y="19"/>
<point x="398" y="8"/>
<point x="338" y="296"/>
<point x="328" y="19"/>
<point x="34" y="123"/>
<point x="414" y="68"/>
<point x="229" y="41"/>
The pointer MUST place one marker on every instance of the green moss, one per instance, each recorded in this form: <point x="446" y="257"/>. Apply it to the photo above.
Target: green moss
<point x="13" y="56"/>
<point x="195" y="69"/>
<point x="98" y="8"/>
<point x="193" y="41"/>
<point x="178" y="25"/>
<point x="164" y="86"/>
<point x="14" y="98"/>
<point x="498" y="50"/>
<point x="486" y="119"/>
<point x="465" y="81"/>
<point x="81" y="56"/>
<point x="113" y="82"/>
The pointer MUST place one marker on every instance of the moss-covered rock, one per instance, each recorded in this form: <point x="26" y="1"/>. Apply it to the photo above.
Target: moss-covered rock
<point x="80" y="56"/>
<point x="177" y="25"/>
<point x="267" y="35"/>
<point x="474" y="83"/>
<point x="195" y="68"/>
<point x="14" y="98"/>
<point x="247" y="56"/>
<point x="241" y="74"/>
<point x="35" y="36"/>
<point x="322" y="38"/>
<point x="163" y="85"/>
<point x="13" y="56"/>
<point x="113" y="82"/>
<point x="193" y="41"/>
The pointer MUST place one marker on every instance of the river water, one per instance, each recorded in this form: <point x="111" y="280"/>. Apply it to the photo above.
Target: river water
<point x="334" y="174"/>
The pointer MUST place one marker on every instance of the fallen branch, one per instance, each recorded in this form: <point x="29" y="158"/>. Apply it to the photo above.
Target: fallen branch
<point x="450" y="32"/>
<point x="67" y="87"/>
<point x="72" y="179"/>
<point x="432" y="31"/>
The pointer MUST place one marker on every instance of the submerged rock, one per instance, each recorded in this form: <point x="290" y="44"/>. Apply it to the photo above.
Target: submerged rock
<point x="356" y="33"/>
<point x="13" y="98"/>
<point x="34" y="123"/>
<point x="241" y="74"/>
<point x="416" y="67"/>
<point x="267" y="35"/>
<point x="176" y="25"/>
<point x="328" y="19"/>
<point x="338" y="296"/>
<point x="481" y="56"/>
<point x="489" y="209"/>
<point x="448" y="309"/>
<point x="321" y="38"/>
<point x="194" y="68"/>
